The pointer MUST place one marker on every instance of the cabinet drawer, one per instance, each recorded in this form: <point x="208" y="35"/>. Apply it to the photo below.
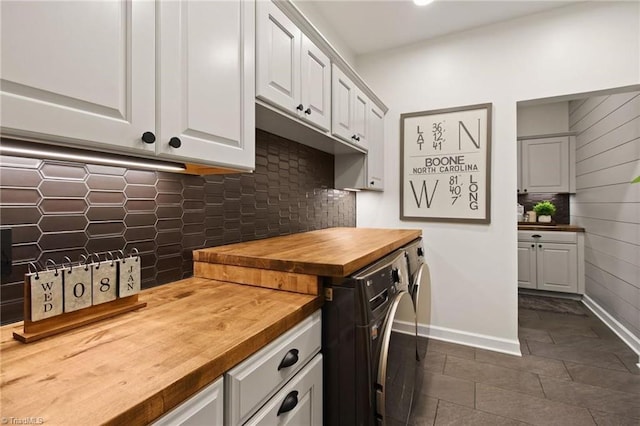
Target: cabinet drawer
<point x="250" y="384"/>
<point x="548" y="236"/>
<point x="299" y="403"/>
<point x="205" y="407"/>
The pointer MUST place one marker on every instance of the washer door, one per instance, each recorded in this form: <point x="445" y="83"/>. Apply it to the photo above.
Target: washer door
<point x="397" y="368"/>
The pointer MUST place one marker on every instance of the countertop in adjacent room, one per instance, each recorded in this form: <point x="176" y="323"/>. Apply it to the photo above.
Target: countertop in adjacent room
<point x="132" y="368"/>
<point x="334" y="252"/>
<point x="525" y="226"/>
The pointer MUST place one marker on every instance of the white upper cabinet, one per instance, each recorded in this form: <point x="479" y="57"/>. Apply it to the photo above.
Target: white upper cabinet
<point x="80" y="72"/>
<point x="93" y="74"/>
<point x="350" y="109"/>
<point x="207" y="86"/>
<point x="292" y="72"/>
<point x="547" y="165"/>
<point x="375" y="155"/>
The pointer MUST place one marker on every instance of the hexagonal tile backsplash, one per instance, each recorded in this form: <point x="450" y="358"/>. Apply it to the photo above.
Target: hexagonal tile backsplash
<point x="59" y="209"/>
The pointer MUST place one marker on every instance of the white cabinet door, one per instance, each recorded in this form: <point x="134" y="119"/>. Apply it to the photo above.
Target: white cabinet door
<point x="519" y="165"/>
<point x="545" y="164"/>
<point x="360" y="117"/>
<point x="298" y="403"/>
<point x="557" y="267"/>
<point x="278" y="58"/>
<point x="207" y="90"/>
<point x="315" y="92"/>
<point x="375" y="155"/>
<point x="204" y="408"/>
<point x="527" y="265"/>
<point x="342" y="115"/>
<point x="79" y="72"/>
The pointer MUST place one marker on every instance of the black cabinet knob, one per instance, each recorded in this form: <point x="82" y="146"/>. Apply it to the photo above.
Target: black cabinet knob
<point x="358" y="138"/>
<point x="289" y="403"/>
<point x="540" y="245"/>
<point x="525" y="190"/>
<point x="354" y="137"/>
<point x="307" y="111"/>
<point x="148" y="137"/>
<point x="175" y="142"/>
<point x="373" y="183"/>
<point x="533" y="245"/>
<point x="300" y="107"/>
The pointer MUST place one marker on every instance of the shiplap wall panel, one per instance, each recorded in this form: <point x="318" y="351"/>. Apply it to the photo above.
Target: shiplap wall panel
<point x="619" y="212"/>
<point x="626" y="112"/>
<point x="609" y="194"/>
<point x="620" y="173"/>
<point x="620" y="136"/>
<point x="624" y="251"/>
<point x="606" y="204"/>
<point x="626" y="313"/>
<point x="619" y="287"/>
<point x="627" y="151"/>
<point x="585" y="108"/>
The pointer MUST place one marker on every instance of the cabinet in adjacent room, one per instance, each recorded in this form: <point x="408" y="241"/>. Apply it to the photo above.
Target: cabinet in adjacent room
<point x="546" y="164"/>
<point x="169" y="79"/>
<point x="292" y="72"/>
<point x="551" y="261"/>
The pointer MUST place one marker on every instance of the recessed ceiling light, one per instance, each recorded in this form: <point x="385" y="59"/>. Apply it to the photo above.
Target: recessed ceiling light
<point x="422" y="2"/>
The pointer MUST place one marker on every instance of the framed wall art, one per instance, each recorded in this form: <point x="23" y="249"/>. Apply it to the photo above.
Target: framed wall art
<point x="445" y="165"/>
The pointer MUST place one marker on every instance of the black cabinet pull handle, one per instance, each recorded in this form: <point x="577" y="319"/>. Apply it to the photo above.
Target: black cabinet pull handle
<point x="300" y="107"/>
<point x="354" y="137"/>
<point x="307" y="111"/>
<point x="536" y="236"/>
<point x="289" y="403"/>
<point x="289" y="359"/>
<point x="148" y="137"/>
<point x="175" y="142"/>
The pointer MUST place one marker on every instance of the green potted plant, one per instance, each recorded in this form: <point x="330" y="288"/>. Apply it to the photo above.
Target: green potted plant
<point x="544" y="210"/>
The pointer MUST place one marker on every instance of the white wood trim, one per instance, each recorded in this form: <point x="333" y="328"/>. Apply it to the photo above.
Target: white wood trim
<point x="620" y="330"/>
<point x="476" y="340"/>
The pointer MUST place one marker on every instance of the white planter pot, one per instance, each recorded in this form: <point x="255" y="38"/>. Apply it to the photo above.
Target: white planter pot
<point x="544" y="218"/>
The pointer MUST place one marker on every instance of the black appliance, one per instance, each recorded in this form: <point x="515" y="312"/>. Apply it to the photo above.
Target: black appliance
<point x="416" y="269"/>
<point x="369" y="370"/>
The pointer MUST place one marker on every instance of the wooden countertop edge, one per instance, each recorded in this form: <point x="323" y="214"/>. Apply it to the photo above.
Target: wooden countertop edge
<point x="551" y="228"/>
<point x="176" y="393"/>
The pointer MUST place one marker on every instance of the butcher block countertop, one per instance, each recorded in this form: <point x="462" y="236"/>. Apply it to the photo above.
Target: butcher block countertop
<point x="535" y="227"/>
<point x="131" y="369"/>
<point x="334" y="252"/>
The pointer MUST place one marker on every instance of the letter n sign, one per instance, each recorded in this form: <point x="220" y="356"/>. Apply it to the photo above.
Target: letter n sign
<point x="445" y="165"/>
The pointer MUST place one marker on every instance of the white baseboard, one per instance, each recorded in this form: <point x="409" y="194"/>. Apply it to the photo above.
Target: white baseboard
<point x="476" y="340"/>
<point x="619" y="329"/>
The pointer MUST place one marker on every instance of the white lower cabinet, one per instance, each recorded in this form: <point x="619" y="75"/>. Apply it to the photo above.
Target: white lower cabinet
<point x="551" y="261"/>
<point x="204" y="408"/>
<point x="281" y="383"/>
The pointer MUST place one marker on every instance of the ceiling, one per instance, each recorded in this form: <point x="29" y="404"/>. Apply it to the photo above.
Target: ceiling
<point x="366" y="26"/>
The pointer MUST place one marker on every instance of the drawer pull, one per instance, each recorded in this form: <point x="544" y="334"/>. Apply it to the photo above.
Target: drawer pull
<point x="289" y="402"/>
<point x="289" y="359"/>
<point x="536" y="236"/>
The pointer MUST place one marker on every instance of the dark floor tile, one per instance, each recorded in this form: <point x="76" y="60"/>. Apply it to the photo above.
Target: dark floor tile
<point x="529" y="409"/>
<point x="604" y="378"/>
<point x="534" y="334"/>
<point x="528" y="314"/>
<point x="450" y="414"/>
<point x="607" y="419"/>
<point x="631" y="361"/>
<point x="568" y="318"/>
<point x="591" y="343"/>
<point x="460" y="351"/>
<point x="433" y="362"/>
<point x="448" y="388"/>
<point x="423" y="412"/>
<point x="505" y="378"/>
<point x="524" y="347"/>
<point x="567" y="353"/>
<point x="592" y="397"/>
<point x="558" y="327"/>
<point x="530" y="363"/>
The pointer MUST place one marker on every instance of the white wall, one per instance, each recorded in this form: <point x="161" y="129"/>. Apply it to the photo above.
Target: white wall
<point x="545" y="119"/>
<point x="473" y="267"/>
<point x="608" y="206"/>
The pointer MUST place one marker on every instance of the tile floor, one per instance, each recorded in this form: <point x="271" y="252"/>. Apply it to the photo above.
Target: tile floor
<point x="574" y="371"/>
